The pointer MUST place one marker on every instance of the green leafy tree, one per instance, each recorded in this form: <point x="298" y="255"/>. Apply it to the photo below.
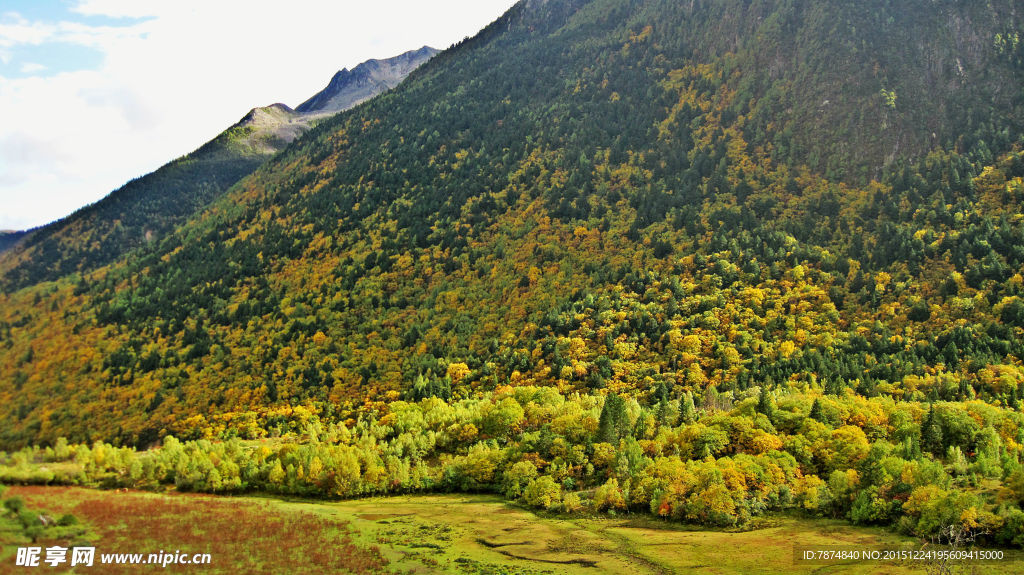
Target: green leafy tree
<point x="543" y="492"/>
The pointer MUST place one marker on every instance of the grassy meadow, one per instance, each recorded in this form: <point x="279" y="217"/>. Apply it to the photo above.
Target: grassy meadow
<point x="242" y="535"/>
<point x="473" y="534"/>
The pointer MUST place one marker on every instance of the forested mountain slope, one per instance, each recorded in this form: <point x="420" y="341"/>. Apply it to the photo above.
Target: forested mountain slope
<point x="153" y="205"/>
<point x="704" y="259"/>
<point x="654" y="198"/>
<point x="9" y="238"/>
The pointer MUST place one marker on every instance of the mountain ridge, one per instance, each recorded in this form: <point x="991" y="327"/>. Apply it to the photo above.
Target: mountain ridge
<point x="8" y="238"/>
<point x="350" y="88"/>
<point x="131" y="216"/>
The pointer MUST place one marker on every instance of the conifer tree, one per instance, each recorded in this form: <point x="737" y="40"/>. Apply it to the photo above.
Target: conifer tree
<point x="834" y="386"/>
<point x="613" y="419"/>
<point x="765" y="404"/>
<point x="687" y="411"/>
<point x="661" y="412"/>
<point x="816" y="413"/>
<point x="931" y="432"/>
<point x="640" y="430"/>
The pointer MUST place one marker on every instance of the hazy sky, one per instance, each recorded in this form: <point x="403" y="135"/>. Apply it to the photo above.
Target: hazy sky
<point x="96" y="92"/>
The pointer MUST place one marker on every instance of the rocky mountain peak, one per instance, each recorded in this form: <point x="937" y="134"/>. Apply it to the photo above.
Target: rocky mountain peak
<point x="350" y="87"/>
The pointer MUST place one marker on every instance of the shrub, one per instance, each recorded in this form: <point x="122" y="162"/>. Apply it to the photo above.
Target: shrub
<point x="543" y="492"/>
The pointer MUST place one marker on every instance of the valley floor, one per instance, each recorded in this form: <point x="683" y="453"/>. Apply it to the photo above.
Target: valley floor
<point x="473" y="534"/>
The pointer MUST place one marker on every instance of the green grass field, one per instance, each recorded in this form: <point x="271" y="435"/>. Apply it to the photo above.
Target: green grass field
<point x="430" y="534"/>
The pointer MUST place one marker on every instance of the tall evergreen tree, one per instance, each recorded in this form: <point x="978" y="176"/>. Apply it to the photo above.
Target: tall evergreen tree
<point x="687" y="411"/>
<point x="613" y="420"/>
<point x="816" y="413"/>
<point x="661" y="412"/>
<point x="834" y="386"/>
<point x="765" y="403"/>
<point x="931" y="433"/>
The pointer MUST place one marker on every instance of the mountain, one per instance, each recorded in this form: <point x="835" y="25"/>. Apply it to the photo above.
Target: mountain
<point x="8" y="238"/>
<point x="153" y="205"/>
<point x="701" y="197"/>
<point x="700" y="259"/>
<point x="350" y="88"/>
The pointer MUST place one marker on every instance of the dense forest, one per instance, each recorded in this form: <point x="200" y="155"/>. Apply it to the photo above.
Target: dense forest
<point x="703" y="259"/>
<point x="8" y="239"/>
<point x="145" y="208"/>
<point x="716" y="461"/>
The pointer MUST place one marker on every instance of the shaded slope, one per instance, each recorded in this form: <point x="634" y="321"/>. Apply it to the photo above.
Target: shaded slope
<point x="151" y="206"/>
<point x="9" y="238"/>
<point x="144" y="208"/>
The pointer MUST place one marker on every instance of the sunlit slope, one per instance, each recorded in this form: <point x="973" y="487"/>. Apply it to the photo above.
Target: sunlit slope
<point x="694" y="196"/>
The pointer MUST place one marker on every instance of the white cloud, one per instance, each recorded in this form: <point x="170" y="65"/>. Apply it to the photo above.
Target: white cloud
<point x="15" y="30"/>
<point x="170" y="82"/>
<point x="32" y="68"/>
<point x="120" y="8"/>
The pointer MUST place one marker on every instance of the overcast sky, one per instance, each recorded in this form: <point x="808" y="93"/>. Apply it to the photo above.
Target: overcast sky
<point x="96" y="92"/>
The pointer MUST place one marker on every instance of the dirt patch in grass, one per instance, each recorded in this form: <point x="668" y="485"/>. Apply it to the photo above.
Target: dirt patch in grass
<point x="379" y="516"/>
<point x="581" y="562"/>
<point x="491" y="545"/>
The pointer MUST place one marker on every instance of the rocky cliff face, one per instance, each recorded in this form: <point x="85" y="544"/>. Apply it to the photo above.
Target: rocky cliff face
<point x="272" y="127"/>
<point x="349" y="88"/>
